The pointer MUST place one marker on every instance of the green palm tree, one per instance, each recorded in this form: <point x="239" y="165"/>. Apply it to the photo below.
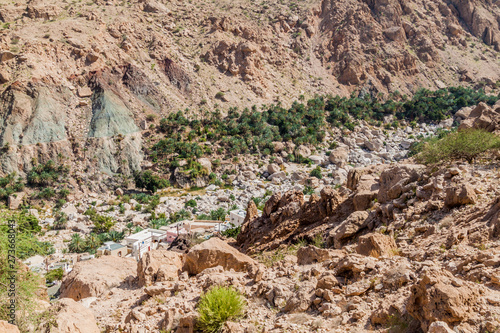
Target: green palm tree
<point x="93" y="241"/>
<point x="77" y="244"/>
<point x="130" y="225"/>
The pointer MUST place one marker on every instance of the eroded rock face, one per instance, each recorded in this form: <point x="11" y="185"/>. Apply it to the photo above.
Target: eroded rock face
<point x="460" y="195"/>
<point x="482" y="117"/>
<point x="69" y="317"/>
<point x="284" y="217"/>
<point x="441" y="297"/>
<point x="160" y="265"/>
<point x="397" y="180"/>
<point x="94" y="277"/>
<point x="215" y="252"/>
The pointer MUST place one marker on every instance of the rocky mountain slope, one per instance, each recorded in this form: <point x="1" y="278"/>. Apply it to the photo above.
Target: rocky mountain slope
<point x="83" y="80"/>
<point x="422" y="258"/>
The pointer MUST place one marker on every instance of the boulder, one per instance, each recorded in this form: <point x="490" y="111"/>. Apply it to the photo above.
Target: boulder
<point x="376" y="245"/>
<point x="70" y="317"/>
<point x="94" y="277"/>
<point x="5" y="327"/>
<point x="303" y="151"/>
<point x="339" y="156"/>
<point x="301" y="300"/>
<point x="311" y="254"/>
<point x="6" y="55"/>
<point x="458" y="196"/>
<point x="160" y="265"/>
<point x="215" y="252"/>
<point x="374" y="145"/>
<point x="4" y="76"/>
<point x="439" y="296"/>
<point x="273" y="168"/>
<point x="362" y="200"/>
<point x="327" y="280"/>
<point x="84" y="92"/>
<point x="394" y="181"/>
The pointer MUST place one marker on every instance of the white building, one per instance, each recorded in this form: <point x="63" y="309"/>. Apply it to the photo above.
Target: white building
<point x="144" y="241"/>
<point x="237" y="216"/>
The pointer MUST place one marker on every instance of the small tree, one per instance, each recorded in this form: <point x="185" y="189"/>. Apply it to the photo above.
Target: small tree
<point x="149" y="181"/>
<point x="467" y="144"/>
<point x="102" y="224"/>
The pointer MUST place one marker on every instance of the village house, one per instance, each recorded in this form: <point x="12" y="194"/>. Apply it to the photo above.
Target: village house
<point x="237" y="217"/>
<point x="144" y="241"/>
<point x="112" y="249"/>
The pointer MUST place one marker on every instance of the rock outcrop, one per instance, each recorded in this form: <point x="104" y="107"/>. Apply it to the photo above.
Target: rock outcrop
<point x="68" y="316"/>
<point x="376" y="245"/>
<point x="160" y="265"/>
<point x="439" y="296"/>
<point x="215" y="252"/>
<point x="95" y="277"/>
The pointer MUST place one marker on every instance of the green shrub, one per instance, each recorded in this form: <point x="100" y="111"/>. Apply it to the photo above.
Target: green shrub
<point x="467" y="144"/>
<point x="149" y="181"/>
<point x="102" y="223"/>
<point x="218" y="305"/>
<point x="54" y="275"/>
<point x="191" y="203"/>
<point x="47" y="174"/>
<point x="9" y="185"/>
<point x="232" y="232"/>
<point x="308" y="190"/>
<point x="316" y="173"/>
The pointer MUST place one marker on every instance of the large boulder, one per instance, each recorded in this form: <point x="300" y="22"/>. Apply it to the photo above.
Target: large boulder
<point x="215" y="252"/>
<point x="376" y="245"/>
<point x="160" y="265"/>
<point x="439" y="296"/>
<point x="339" y="156"/>
<point x="94" y="277"/>
<point x="460" y="195"/>
<point x="273" y="168"/>
<point x="483" y="117"/>
<point x="395" y="181"/>
<point x="5" y="327"/>
<point x="69" y="317"/>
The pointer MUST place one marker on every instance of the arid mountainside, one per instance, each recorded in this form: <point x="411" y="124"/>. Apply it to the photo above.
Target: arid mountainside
<point x="403" y="249"/>
<point x="82" y="80"/>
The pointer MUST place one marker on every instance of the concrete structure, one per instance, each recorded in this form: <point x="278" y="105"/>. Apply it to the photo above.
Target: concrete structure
<point x="36" y="263"/>
<point x="112" y="249"/>
<point x="237" y="217"/>
<point x="144" y="241"/>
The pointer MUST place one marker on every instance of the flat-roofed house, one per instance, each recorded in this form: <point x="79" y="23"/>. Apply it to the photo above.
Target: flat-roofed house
<point x="237" y="216"/>
<point x="112" y="249"/>
<point x="144" y="241"/>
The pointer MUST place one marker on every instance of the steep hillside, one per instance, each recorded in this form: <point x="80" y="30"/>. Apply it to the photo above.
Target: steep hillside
<point x="83" y="79"/>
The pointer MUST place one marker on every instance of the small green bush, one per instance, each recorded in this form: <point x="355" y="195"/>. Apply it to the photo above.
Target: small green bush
<point x="191" y="203"/>
<point x="149" y="181"/>
<point x="467" y="144"/>
<point x="218" y="305"/>
<point x="54" y="275"/>
<point x="316" y="173"/>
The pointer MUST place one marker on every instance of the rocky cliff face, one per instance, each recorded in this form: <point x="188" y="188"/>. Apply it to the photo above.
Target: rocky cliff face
<point x="80" y="79"/>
